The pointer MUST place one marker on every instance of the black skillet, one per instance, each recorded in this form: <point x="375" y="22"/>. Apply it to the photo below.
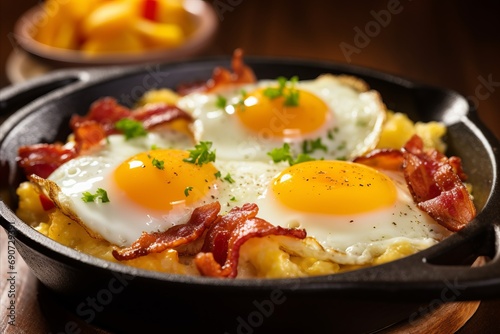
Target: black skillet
<point x="124" y="299"/>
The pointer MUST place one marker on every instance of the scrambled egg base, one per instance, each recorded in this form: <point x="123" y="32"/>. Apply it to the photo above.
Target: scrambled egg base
<point x="259" y="257"/>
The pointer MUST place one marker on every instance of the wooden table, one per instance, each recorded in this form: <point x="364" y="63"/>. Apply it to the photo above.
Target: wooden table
<point x="453" y="44"/>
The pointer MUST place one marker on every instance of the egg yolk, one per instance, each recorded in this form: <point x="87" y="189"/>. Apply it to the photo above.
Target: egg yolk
<point x="333" y="187"/>
<point x="161" y="180"/>
<point x="273" y="118"/>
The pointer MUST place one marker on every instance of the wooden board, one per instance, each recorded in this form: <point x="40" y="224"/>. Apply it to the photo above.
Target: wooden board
<point x="447" y="318"/>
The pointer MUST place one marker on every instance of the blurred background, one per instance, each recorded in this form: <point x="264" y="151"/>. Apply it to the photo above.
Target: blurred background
<point x="452" y="44"/>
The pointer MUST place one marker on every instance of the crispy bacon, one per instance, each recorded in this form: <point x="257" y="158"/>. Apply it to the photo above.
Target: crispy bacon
<point x="241" y="74"/>
<point x="105" y="111"/>
<point x="390" y="159"/>
<point x="90" y="130"/>
<point x="159" y="113"/>
<point x="88" y="134"/>
<point x="178" y="235"/>
<point x="43" y="159"/>
<point x="436" y="185"/>
<point x="221" y="248"/>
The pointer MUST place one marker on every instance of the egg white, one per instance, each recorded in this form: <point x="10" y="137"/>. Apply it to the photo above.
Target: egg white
<point x="119" y="221"/>
<point x="353" y="129"/>
<point x="358" y="238"/>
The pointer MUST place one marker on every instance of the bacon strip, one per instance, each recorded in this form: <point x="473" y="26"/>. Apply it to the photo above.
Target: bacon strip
<point x="221" y="249"/>
<point x="436" y="185"/>
<point x="88" y="134"/>
<point x="390" y="159"/>
<point x="241" y="74"/>
<point x="159" y="113"/>
<point x="43" y="159"/>
<point x="90" y="130"/>
<point x="175" y="236"/>
<point x="105" y="111"/>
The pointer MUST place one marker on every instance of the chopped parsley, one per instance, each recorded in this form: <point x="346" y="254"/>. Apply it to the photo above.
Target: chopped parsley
<point x="284" y="154"/>
<point x="233" y="199"/>
<point x="221" y="102"/>
<point x="291" y="94"/>
<point x="100" y="195"/>
<point x="309" y="146"/>
<point x="187" y="190"/>
<point x="130" y="128"/>
<point x="160" y="164"/>
<point x="228" y="178"/>
<point x="201" y="154"/>
<point x="241" y="103"/>
<point x="218" y="175"/>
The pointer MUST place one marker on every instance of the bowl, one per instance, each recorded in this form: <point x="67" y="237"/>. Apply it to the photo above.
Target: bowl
<point x="123" y="299"/>
<point x="201" y="14"/>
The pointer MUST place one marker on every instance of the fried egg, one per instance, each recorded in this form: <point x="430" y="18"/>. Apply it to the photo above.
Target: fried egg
<point x="353" y="211"/>
<point x="146" y="189"/>
<point x="331" y="117"/>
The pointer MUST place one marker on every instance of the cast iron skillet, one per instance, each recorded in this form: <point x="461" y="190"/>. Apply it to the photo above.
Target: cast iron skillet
<point x="121" y="298"/>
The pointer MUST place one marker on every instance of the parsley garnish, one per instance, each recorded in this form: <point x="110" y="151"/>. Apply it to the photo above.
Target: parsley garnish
<point x="218" y="175"/>
<point x="241" y="103"/>
<point x="221" y="102"/>
<point x="130" y="128"/>
<point x="160" y="164"/>
<point x="309" y="146"/>
<point x="201" y="154"/>
<point x="233" y="199"/>
<point x="284" y="154"/>
<point x="187" y="190"/>
<point x="275" y="92"/>
<point x="291" y="94"/>
<point x="100" y="195"/>
<point x="228" y="178"/>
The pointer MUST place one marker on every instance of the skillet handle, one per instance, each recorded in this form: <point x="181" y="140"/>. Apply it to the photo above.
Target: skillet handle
<point x="15" y="97"/>
<point x="436" y="272"/>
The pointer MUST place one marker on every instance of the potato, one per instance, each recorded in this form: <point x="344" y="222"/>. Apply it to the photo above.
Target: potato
<point x="109" y="26"/>
<point x="126" y="42"/>
<point x="109" y="20"/>
<point x="160" y="35"/>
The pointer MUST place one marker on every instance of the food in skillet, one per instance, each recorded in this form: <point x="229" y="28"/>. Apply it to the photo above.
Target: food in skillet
<point x="239" y="177"/>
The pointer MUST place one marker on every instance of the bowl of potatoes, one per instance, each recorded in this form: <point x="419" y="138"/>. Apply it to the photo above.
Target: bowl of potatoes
<point x="115" y="32"/>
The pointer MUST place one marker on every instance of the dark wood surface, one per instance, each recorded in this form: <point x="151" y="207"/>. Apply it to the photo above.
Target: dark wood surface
<point x="452" y="44"/>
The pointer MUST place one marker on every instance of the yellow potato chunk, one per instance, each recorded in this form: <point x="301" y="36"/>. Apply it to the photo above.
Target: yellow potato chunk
<point x="173" y="12"/>
<point x="163" y="95"/>
<point x="109" y="19"/>
<point x="160" y="35"/>
<point x="126" y="42"/>
<point x="396" y="251"/>
<point x="398" y="129"/>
